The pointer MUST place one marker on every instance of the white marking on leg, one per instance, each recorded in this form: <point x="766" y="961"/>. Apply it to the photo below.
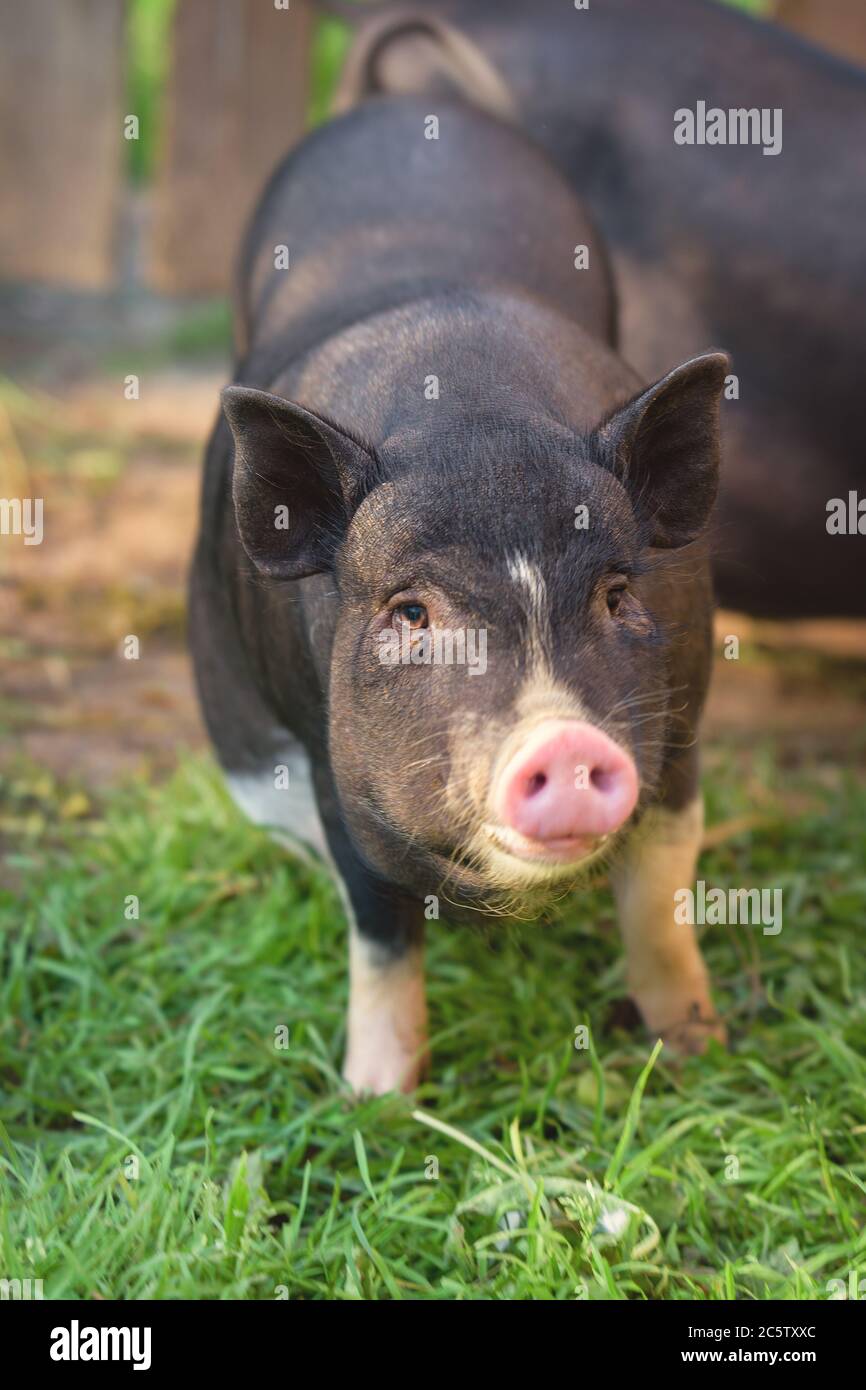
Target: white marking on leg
<point x="387" y="1019"/>
<point x="386" y="1048"/>
<point x="289" y="812"/>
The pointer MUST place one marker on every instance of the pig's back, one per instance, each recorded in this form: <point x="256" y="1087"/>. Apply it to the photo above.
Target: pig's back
<point x="373" y="214"/>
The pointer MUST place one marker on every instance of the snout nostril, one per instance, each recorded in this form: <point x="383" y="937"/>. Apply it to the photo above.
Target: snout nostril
<point x="536" y="782"/>
<point x="602" y="779"/>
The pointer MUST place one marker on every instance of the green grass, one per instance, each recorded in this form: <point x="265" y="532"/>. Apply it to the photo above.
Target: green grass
<point x="254" y="1174"/>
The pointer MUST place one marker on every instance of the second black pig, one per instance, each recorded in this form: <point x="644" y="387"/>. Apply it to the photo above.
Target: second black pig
<point x="756" y="242"/>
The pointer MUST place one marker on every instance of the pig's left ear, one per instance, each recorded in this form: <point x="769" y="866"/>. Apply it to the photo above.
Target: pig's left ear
<point x="665" y="445"/>
<point x="296" y="480"/>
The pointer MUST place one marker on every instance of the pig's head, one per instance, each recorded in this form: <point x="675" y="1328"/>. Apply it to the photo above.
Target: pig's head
<point x="500" y="701"/>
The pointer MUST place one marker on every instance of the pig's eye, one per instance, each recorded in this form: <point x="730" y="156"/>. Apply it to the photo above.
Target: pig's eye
<point x="627" y="611"/>
<point x="615" y="598"/>
<point x="412" y="615"/>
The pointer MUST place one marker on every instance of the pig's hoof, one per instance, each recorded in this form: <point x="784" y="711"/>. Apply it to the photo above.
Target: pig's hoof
<point x="691" y="1036"/>
<point x="372" y="1074"/>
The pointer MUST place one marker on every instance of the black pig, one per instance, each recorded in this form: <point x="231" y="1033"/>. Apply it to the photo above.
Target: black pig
<point x="431" y="455"/>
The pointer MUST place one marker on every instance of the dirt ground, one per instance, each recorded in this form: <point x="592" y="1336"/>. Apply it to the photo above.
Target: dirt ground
<point x="120" y="481"/>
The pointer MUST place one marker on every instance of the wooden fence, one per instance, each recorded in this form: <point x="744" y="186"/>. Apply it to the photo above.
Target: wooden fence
<point x="237" y="96"/>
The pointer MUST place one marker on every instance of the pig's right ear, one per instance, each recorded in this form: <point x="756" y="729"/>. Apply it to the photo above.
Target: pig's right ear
<point x="665" y="449"/>
<point x="294" y="479"/>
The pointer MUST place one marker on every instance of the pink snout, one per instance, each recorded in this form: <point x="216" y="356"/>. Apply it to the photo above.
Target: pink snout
<point x="568" y="783"/>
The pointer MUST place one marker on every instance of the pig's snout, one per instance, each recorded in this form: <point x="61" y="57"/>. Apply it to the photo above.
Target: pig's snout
<point x="568" y="783"/>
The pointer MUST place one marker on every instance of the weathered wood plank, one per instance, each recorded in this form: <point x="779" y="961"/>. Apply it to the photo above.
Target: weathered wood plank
<point x="237" y="100"/>
<point x="61" y="139"/>
<point x="839" y="25"/>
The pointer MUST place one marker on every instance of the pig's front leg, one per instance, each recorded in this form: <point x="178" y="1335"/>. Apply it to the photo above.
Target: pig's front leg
<point x="665" y="971"/>
<point x="386" y="1027"/>
<point x="386" y="1040"/>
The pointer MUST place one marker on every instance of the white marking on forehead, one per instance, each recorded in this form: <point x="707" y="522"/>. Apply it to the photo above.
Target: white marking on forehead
<point x="523" y="572"/>
<point x="530" y="580"/>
